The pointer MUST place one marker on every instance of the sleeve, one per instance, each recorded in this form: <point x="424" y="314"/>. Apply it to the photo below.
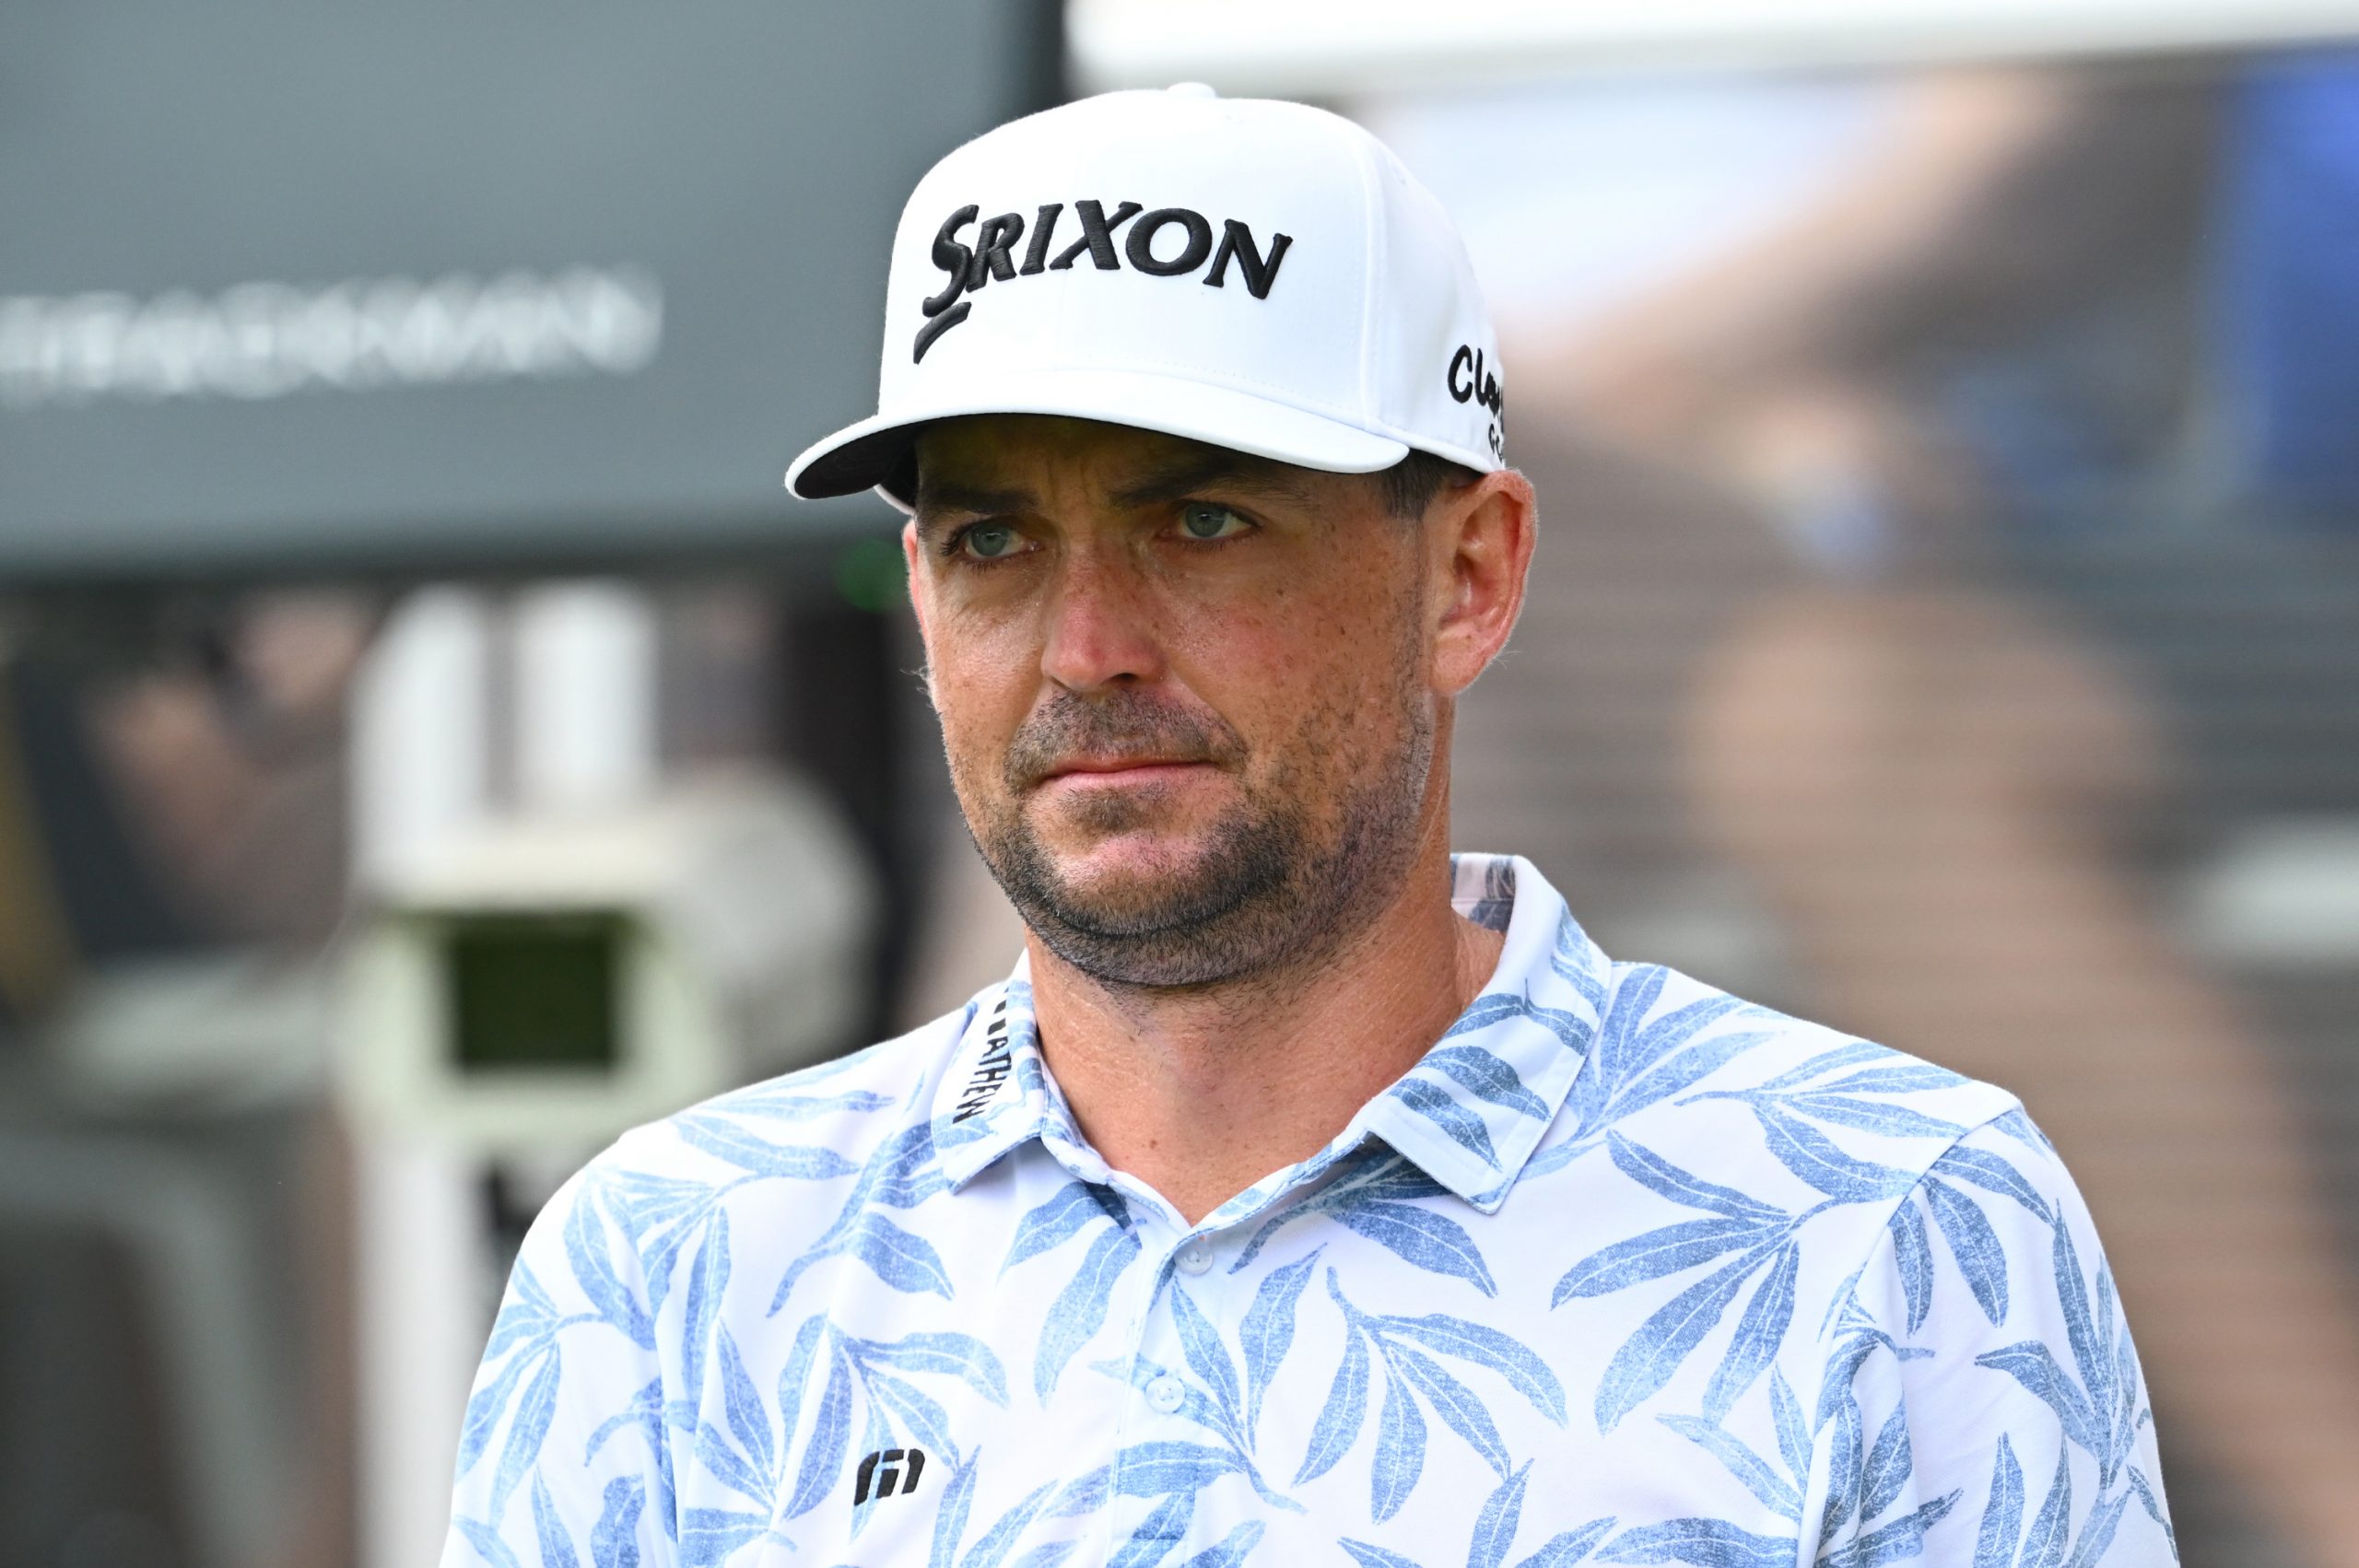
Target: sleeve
<point x="1982" y="1404"/>
<point x="562" y="1457"/>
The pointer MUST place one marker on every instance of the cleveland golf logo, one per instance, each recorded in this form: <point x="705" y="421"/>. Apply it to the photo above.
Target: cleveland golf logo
<point x="1470" y="381"/>
<point x="992" y="254"/>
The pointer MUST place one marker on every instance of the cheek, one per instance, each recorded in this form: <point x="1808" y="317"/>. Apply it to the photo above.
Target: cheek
<point x="1303" y="667"/>
<point x="981" y="687"/>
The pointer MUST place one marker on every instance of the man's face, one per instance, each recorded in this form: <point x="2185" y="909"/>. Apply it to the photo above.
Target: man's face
<point x="1184" y="693"/>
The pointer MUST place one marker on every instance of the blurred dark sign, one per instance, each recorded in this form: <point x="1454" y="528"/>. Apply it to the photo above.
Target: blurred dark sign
<point x="294" y="288"/>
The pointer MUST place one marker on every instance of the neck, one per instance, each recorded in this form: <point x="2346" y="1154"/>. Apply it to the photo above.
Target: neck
<point x="1202" y="1092"/>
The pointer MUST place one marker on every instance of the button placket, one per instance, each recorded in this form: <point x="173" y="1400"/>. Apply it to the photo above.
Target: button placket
<point x="1146" y="1285"/>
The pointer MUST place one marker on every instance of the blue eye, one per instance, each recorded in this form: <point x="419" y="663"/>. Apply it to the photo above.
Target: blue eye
<point x="1205" y="519"/>
<point x="991" y="540"/>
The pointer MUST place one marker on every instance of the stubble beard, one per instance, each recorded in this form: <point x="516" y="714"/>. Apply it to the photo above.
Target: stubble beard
<point x="1280" y="883"/>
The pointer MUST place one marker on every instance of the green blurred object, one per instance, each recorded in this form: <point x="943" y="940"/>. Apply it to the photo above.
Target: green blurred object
<point x="871" y="574"/>
<point x="534" y="993"/>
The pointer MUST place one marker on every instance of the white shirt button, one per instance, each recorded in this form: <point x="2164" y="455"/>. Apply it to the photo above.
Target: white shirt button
<point x="1165" y="1394"/>
<point x="1195" y="1259"/>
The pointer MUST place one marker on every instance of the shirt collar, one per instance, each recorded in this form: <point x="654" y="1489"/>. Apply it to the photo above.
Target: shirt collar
<point x="1469" y="1114"/>
<point x="1476" y="1105"/>
<point x="997" y="1092"/>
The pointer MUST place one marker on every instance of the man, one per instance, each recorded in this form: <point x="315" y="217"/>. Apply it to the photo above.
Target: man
<point x="1306" y="1194"/>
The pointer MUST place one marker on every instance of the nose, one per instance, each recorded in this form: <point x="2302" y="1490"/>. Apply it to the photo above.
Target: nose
<point x="1101" y="625"/>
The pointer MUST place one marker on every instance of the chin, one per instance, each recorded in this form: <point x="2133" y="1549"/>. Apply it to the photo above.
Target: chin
<point x="1123" y="866"/>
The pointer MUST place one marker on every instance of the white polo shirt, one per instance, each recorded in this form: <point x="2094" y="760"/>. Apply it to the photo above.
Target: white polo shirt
<point x="1625" y="1271"/>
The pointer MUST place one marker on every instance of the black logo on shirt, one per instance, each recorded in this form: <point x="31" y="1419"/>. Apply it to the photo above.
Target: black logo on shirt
<point x="883" y="1470"/>
<point x="990" y="1069"/>
<point x="970" y="267"/>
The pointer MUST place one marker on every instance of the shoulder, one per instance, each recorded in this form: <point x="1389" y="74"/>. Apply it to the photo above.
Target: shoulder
<point x="1873" y="1162"/>
<point x="777" y="1160"/>
<point x="813" y="1123"/>
<point x="1751" y="1092"/>
<point x="1727" y="1160"/>
<point x="1790" y="1136"/>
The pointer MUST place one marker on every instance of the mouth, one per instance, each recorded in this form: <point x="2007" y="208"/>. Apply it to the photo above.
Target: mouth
<point x="1106" y="772"/>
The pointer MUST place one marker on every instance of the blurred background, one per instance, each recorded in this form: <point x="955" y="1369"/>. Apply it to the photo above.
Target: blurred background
<point x="431" y="742"/>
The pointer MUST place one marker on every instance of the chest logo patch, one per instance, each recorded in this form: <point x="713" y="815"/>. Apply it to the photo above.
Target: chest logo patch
<point x="883" y="1471"/>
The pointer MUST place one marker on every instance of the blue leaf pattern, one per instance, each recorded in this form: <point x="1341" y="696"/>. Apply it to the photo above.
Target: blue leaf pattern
<point x="1155" y="1535"/>
<point x="1760" y="1478"/>
<point x="556" y="1542"/>
<point x="1650" y="1357"/>
<point x="1759" y="1334"/>
<point x="1486" y="1077"/>
<point x="1076" y="1205"/>
<point x="1710" y="1543"/>
<point x="1424" y="1238"/>
<point x="1486" y="1347"/>
<point x="1912" y="1255"/>
<point x="593" y="1267"/>
<point x="1445" y="1111"/>
<point x="1230" y="1551"/>
<point x="1207" y="1357"/>
<point x="904" y="1261"/>
<point x="1451" y="1400"/>
<point x="1565" y="1550"/>
<point x="489" y="1546"/>
<point x="1080" y="1308"/>
<point x="528" y="1429"/>
<point x="756" y="1155"/>
<point x="1369" y="1556"/>
<point x="614" y="1540"/>
<point x="1339" y="1418"/>
<point x="2002" y="1517"/>
<point x="823" y="1452"/>
<point x="1812" y="1156"/>
<point x="1664" y="1180"/>
<point x="1268" y="1332"/>
<point x="1400" y="1451"/>
<point x="1671" y="1251"/>
<point x="1982" y="1258"/>
<point x="1767" y="1265"/>
<point x="947" y="1354"/>
<point x="1494" y="1527"/>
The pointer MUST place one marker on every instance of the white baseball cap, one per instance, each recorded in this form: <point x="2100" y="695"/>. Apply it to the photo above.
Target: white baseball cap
<point x="1255" y="274"/>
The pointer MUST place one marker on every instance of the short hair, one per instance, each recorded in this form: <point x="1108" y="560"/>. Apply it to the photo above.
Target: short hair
<point x="1409" y="487"/>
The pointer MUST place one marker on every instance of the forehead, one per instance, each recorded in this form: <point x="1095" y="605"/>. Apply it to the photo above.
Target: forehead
<point x="1034" y="455"/>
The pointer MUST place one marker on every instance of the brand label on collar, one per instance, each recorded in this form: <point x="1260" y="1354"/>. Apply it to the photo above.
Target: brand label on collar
<point x="990" y="1068"/>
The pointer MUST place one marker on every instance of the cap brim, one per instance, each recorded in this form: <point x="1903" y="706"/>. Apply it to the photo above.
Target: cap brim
<point x="865" y="455"/>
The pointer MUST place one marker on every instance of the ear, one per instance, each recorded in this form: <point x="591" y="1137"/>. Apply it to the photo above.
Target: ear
<point x="913" y="555"/>
<point x="914" y="558"/>
<point x="1479" y="538"/>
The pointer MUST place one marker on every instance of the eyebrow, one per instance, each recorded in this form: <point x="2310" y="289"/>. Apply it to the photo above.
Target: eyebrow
<point x="1173" y="483"/>
<point x="951" y="495"/>
<point x="1214" y="467"/>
